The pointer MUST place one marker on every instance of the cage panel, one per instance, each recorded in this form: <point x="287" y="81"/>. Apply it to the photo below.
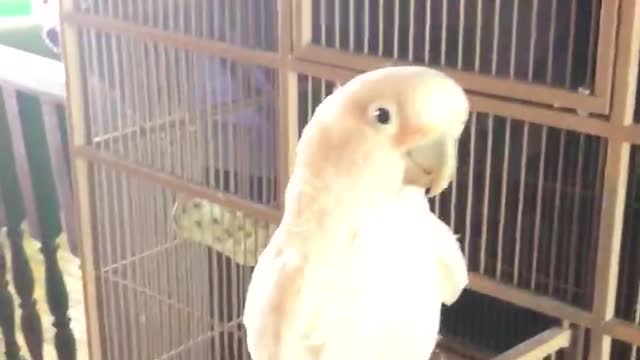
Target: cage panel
<point x="311" y="92"/>
<point x="243" y="23"/>
<point x="544" y="42"/>
<point x="624" y="351"/>
<point x="207" y="120"/>
<point x="472" y="319"/>
<point x="526" y="202"/>
<point x="165" y="293"/>
<point x="628" y="294"/>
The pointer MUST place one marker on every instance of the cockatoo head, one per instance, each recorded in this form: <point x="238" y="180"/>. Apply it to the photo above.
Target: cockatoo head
<point x="384" y="129"/>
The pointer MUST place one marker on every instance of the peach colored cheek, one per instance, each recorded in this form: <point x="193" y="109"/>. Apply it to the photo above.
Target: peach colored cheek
<point x="407" y="136"/>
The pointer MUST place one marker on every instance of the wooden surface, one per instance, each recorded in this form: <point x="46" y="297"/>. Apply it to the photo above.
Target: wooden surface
<point x="73" y="277"/>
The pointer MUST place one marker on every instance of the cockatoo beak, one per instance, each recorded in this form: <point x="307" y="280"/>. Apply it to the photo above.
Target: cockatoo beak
<point x="432" y="165"/>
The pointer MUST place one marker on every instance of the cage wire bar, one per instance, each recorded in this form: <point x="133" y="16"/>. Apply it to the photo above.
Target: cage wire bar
<point x="136" y="143"/>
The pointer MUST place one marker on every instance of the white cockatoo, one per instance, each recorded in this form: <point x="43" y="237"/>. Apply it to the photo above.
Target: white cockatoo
<point x="359" y="267"/>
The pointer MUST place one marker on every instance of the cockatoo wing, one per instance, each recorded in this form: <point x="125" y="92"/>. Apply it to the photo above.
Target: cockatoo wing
<point x="452" y="264"/>
<point x="282" y="309"/>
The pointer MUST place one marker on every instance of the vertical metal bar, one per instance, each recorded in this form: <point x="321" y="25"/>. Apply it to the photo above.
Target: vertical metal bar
<point x="454" y="192"/>
<point x="109" y="97"/>
<point x="227" y="34"/>
<point x="153" y="106"/>
<point x="173" y="117"/>
<point x="470" y="177"/>
<point x="139" y="233"/>
<point x="396" y="30"/>
<point x="575" y="217"/>
<point x="239" y="24"/>
<point x="412" y="11"/>
<point x="380" y="27"/>
<point x="97" y="129"/>
<point x="523" y="180"/>
<point x="231" y="126"/>
<point x="556" y="214"/>
<point x="478" y="32"/>
<point x="514" y="34"/>
<point x="167" y="270"/>
<point x="570" y="45"/>
<point x="532" y="39"/>
<point x="487" y="188"/>
<point x="336" y="22"/>
<point x="102" y="242"/>
<point x="367" y="15"/>
<point x="124" y="303"/>
<point x="309" y="97"/>
<point x="109" y="260"/>
<point x="323" y="22"/>
<point x="427" y="30"/>
<point x="552" y="37"/>
<point x="120" y="92"/>
<point x="204" y="18"/>
<point x="496" y="37"/>
<point x="183" y="144"/>
<point x="443" y="35"/>
<point x="593" y="33"/>
<point x="158" y="265"/>
<point x="269" y="122"/>
<point x="88" y="62"/>
<point x="218" y="88"/>
<point x="323" y="89"/>
<point x="150" y="317"/>
<point x="133" y="110"/>
<point x="264" y="31"/>
<point x="188" y="150"/>
<point x="503" y="197"/>
<point x="461" y="23"/>
<point x="147" y="80"/>
<point x="538" y="215"/>
<point x="352" y="24"/>
<point x="210" y="158"/>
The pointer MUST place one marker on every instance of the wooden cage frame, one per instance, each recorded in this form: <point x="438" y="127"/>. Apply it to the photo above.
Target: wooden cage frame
<point x="613" y="99"/>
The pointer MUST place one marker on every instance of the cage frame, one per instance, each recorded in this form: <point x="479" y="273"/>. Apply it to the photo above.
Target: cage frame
<point x="614" y="99"/>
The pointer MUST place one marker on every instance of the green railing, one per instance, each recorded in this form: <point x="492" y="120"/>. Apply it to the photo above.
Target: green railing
<point x="35" y="188"/>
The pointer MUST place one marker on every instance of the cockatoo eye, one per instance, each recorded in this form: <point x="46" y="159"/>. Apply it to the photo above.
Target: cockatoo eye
<point x="383" y="115"/>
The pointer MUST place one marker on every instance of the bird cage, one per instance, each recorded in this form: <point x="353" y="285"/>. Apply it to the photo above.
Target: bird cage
<point x="185" y="115"/>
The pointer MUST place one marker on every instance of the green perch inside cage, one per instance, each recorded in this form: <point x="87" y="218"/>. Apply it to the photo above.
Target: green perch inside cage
<point x="227" y="231"/>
